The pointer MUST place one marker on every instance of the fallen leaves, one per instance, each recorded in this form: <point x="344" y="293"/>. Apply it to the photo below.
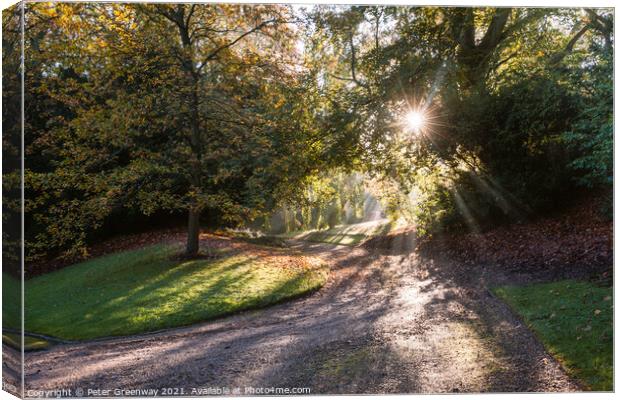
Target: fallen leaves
<point x="577" y="238"/>
<point x="284" y="258"/>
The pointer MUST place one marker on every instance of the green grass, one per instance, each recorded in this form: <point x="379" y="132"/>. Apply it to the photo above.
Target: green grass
<point x="348" y="235"/>
<point x="30" y="343"/>
<point x="334" y="237"/>
<point x="11" y="296"/>
<point x="146" y="290"/>
<point x="11" y="301"/>
<point x="574" y="320"/>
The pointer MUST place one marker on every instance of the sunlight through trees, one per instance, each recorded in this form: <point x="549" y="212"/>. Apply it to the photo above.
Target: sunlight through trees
<point x="228" y="115"/>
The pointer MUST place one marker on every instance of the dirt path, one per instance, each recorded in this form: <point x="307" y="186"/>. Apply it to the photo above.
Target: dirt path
<point x="382" y="324"/>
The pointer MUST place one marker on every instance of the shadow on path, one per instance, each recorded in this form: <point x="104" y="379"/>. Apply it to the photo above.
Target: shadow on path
<point x="382" y="324"/>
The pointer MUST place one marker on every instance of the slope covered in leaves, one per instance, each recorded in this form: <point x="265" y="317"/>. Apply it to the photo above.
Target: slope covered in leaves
<point x="578" y="238"/>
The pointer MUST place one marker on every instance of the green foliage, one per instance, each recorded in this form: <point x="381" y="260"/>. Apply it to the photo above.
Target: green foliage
<point x="498" y="92"/>
<point x="137" y="117"/>
<point x="216" y="111"/>
<point x="11" y="139"/>
<point x="574" y="320"/>
<point x="327" y="200"/>
<point x="514" y="138"/>
<point x="431" y="203"/>
<point x="145" y="290"/>
<point x="333" y="214"/>
<point x="504" y="155"/>
<point x="591" y="136"/>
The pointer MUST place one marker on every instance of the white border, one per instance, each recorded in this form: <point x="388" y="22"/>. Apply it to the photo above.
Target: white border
<point x="501" y="3"/>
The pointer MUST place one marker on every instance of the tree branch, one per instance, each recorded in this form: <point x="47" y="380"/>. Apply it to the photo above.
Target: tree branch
<point x="215" y="52"/>
<point x="603" y="25"/>
<point x="466" y="36"/>
<point x="353" y="65"/>
<point x="190" y="14"/>
<point x="495" y="30"/>
<point x="569" y="46"/>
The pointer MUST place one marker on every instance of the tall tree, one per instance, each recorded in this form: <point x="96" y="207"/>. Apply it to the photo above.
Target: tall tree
<point x="209" y="120"/>
<point x="468" y="71"/>
<point x="210" y="38"/>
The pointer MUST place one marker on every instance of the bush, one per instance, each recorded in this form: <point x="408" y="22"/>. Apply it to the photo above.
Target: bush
<point x="504" y="156"/>
<point x="591" y="136"/>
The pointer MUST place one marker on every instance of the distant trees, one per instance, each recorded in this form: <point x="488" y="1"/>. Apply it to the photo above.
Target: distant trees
<point x="11" y="139"/>
<point x="326" y="200"/>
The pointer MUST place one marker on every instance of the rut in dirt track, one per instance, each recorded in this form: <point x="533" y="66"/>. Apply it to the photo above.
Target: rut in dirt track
<point x="382" y="324"/>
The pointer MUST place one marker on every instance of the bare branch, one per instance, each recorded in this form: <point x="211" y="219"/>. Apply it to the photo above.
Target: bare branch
<point x="190" y="14"/>
<point x="353" y="65"/>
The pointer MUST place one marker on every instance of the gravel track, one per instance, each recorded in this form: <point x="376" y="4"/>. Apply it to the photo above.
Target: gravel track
<point x="382" y="324"/>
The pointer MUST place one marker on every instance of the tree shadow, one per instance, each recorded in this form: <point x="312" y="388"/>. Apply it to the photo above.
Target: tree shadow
<point x="382" y="324"/>
<point x="208" y="358"/>
<point x="523" y="363"/>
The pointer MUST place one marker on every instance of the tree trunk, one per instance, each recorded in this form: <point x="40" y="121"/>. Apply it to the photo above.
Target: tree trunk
<point x="193" y="234"/>
<point x="474" y="58"/>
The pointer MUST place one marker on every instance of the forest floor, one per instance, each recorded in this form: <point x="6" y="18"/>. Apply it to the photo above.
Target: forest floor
<point x="387" y="321"/>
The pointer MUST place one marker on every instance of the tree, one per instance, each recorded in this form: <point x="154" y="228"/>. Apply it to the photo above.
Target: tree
<point x="203" y="123"/>
<point x="227" y="112"/>
<point x="11" y="139"/>
<point x="205" y="51"/>
<point x="472" y="72"/>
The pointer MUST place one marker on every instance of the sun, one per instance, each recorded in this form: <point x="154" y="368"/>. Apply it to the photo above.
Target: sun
<point x="415" y="120"/>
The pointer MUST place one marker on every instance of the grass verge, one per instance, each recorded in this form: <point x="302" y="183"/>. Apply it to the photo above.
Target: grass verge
<point x="574" y="320"/>
<point x="30" y="343"/>
<point x="11" y="301"/>
<point x="147" y="289"/>
<point x="348" y="235"/>
<point x="334" y="237"/>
